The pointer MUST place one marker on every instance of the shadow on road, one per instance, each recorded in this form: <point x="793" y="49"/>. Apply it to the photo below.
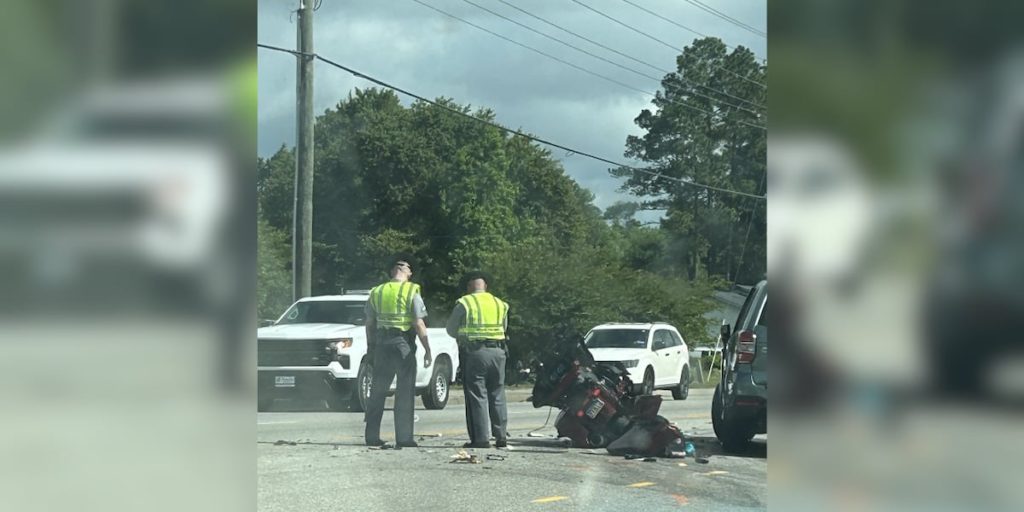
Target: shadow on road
<point x="709" y="446"/>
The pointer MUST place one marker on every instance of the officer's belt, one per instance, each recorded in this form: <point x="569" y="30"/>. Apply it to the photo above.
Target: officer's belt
<point x="475" y="344"/>
<point x="383" y="332"/>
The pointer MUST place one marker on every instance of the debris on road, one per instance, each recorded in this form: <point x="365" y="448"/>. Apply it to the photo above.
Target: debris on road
<point x="492" y="456"/>
<point x="640" y="484"/>
<point x="281" y="442"/>
<point x="465" y="457"/>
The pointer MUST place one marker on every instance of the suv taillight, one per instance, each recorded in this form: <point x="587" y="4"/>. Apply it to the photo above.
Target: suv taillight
<point x="745" y="342"/>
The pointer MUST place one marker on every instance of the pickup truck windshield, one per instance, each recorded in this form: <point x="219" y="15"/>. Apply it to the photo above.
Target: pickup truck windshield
<point x="617" y="338"/>
<point x="325" y="312"/>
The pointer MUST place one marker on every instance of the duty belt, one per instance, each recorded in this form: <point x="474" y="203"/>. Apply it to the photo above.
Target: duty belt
<point x="487" y="343"/>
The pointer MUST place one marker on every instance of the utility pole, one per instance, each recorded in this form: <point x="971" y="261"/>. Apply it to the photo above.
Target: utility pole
<point x="302" y="243"/>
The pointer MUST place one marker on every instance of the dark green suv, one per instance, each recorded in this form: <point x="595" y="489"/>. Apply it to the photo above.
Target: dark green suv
<point x="739" y="409"/>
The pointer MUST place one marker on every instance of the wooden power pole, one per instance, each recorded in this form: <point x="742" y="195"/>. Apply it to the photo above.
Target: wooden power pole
<point x="302" y="243"/>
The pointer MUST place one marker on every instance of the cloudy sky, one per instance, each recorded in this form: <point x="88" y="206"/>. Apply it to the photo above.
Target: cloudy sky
<point x="411" y="46"/>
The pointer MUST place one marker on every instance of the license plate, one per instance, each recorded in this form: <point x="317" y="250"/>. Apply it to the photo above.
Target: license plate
<point x="284" y="382"/>
<point x="594" y="407"/>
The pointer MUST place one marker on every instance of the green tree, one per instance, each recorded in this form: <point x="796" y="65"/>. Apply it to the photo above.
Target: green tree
<point x="701" y="132"/>
<point x="273" y="279"/>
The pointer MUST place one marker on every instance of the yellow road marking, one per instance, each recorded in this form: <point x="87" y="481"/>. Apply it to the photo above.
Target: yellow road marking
<point x="712" y="473"/>
<point x="549" y="499"/>
<point x="682" y="464"/>
<point x="641" y="484"/>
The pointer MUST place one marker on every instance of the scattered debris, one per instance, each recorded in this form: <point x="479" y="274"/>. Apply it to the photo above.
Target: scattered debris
<point x="680" y="499"/>
<point x="549" y="499"/>
<point x="640" y="484"/>
<point x="682" y="464"/>
<point x="464" y="457"/>
<point x="701" y="460"/>
<point x="424" y="436"/>
<point x="713" y="473"/>
<point x="281" y="442"/>
<point x="492" y="456"/>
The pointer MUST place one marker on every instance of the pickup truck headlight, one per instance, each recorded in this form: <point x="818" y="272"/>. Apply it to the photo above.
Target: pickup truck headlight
<point x="336" y="345"/>
<point x="631" y="363"/>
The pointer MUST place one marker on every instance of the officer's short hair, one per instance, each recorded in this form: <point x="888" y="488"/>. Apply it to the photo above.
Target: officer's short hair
<point x="400" y="260"/>
<point x="477" y="274"/>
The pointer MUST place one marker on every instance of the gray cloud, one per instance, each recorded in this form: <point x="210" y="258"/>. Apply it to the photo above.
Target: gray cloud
<point x="404" y="43"/>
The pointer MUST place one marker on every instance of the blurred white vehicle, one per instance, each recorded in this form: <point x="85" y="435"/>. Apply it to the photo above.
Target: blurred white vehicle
<point x="128" y="190"/>
<point x="820" y="211"/>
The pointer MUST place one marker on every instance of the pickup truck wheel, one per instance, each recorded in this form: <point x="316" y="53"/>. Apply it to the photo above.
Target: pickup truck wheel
<point x="436" y="394"/>
<point x="363" y="381"/>
<point x="682" y="391"/>
<point x="734" y="436"/>
<point x="647" y="388"/>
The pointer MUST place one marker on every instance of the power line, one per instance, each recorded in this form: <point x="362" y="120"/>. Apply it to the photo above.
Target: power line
<point x="570" y="64"/>
<point x="680" y="25"/>
<point x="591" y="41"/>
<point x="630" y="57"/>
<point x="616" y="64"/>
<point x="500" y="127"/>
<point x="726" y="17"/>
<point x="669" y="45"/>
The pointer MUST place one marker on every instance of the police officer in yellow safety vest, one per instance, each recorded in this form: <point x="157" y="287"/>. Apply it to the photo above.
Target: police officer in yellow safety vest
<point x="479" y="321"/>
<point x="394" y="315"/>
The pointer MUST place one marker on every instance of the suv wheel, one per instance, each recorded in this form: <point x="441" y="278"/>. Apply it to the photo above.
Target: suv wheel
<point x="647" y="388"/>
<point x="733" y="435"/>
<point x="682" y="391"/>
<point x="436" y="394"/>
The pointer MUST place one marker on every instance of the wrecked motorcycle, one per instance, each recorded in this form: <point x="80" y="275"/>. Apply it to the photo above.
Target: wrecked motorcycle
<point x="597" y="406"/>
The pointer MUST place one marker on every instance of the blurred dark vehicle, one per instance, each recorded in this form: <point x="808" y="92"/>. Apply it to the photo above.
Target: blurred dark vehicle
<point x="974" y="310"/>
<point x="739" y="408"/>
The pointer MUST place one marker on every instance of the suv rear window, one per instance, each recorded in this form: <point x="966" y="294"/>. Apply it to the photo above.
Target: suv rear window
<point x="617" y="338"/>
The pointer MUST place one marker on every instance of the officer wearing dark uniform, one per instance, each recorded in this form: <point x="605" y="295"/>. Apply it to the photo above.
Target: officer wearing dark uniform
<point x="394" y="316"/>
<point x="479" y="321"/>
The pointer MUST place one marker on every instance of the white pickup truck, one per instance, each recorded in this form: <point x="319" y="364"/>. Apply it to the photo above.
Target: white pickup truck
<point x="317" y="349"/>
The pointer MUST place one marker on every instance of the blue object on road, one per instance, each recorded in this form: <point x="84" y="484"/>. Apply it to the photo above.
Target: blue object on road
<point x="691" y="450"/>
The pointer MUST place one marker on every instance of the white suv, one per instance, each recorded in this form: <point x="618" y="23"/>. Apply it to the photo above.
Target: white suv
<point x="655" y="355"/>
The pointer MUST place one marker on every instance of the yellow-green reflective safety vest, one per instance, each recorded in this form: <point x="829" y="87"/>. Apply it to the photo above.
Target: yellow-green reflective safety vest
<point x="392" y="302"/>
<point x="485" y="317"/>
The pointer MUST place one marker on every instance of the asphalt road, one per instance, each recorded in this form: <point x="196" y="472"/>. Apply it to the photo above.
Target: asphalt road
<point x="317" y="460"/>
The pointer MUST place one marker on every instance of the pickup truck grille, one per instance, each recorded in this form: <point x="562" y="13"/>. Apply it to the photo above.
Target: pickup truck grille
<point x="292" y="353"/>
